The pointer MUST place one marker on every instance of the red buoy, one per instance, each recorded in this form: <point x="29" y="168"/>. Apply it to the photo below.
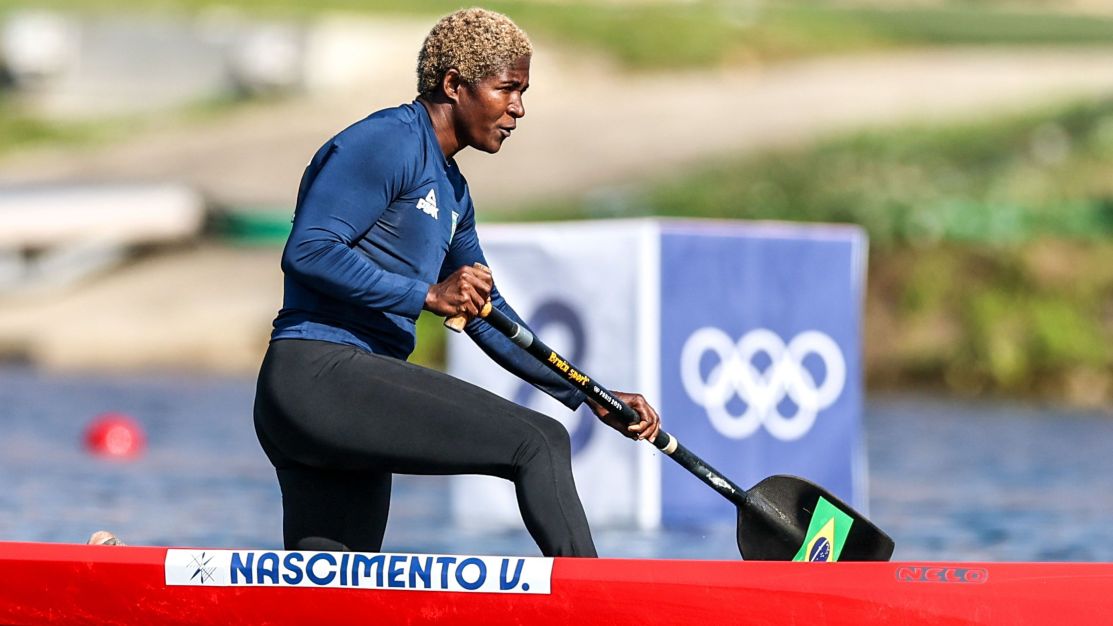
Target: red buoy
<point x="115" y="435"/>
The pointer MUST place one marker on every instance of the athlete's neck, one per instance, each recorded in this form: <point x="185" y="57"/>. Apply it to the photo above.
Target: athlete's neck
<point x="440" y="113"/>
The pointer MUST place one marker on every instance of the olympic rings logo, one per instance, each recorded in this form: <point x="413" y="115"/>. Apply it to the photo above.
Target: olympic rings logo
<point x="734" y="374"/>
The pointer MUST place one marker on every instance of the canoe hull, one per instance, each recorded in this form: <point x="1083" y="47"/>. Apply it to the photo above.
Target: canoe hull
<point x="72" y="584"/>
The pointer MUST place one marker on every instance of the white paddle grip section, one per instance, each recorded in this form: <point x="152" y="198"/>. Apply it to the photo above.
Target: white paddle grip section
<point x="523" y="337"/>
<point x="456" y="324"/>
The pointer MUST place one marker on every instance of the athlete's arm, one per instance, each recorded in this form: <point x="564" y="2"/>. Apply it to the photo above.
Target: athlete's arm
<point x="346" y="188"/>
<point x="465" y="252"/>
<point x="463" y="292"/>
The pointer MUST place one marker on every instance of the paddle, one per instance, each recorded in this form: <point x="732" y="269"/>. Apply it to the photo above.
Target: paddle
<point x="773" y="516"/>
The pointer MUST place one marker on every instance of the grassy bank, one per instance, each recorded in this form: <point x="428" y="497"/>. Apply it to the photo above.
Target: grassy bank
<point x="991" y="243"/>
<point x="1033" y="320"/>
<point x="997" y="182"/>
<point x="643" y="36"/>
<point x="19" y="130"/>
<point x="652" y="35"/>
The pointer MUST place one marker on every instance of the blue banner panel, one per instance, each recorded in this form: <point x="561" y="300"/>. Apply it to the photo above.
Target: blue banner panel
<point x="760" y="357"/>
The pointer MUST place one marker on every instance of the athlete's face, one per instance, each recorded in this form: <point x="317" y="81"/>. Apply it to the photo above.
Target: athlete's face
<point x="488" y="110"/>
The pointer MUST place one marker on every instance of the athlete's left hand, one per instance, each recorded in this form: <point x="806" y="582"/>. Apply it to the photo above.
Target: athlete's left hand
<point x="647" y="428"/>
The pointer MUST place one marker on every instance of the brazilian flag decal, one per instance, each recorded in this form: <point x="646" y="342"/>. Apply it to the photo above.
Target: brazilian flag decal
<point x="826" y="534"/>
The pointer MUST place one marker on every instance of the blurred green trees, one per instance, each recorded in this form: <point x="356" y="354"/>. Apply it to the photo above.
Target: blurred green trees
<point x="671" y="34"/>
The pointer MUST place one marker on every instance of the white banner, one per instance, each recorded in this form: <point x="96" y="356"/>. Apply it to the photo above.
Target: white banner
<point x="583" y="288"/>
<point x="358" y="570"/>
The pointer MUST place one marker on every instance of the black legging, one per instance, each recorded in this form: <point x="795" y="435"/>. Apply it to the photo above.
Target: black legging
<point x="337" y="421"/>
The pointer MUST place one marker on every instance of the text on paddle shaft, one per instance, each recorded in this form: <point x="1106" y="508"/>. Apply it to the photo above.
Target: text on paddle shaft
<point x="568" y="370"/>
<point x="611" y="401"/>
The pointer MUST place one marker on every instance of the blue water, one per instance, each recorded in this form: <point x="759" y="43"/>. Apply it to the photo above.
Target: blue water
<point x="949" y="480"/>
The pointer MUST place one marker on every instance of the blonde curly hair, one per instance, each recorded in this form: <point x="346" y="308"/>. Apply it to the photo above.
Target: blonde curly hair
<point x="476" y="42"/>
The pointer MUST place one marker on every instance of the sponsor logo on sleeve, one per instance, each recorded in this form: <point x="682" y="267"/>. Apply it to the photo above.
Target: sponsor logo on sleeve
<point x="428" y="204"/>
<point x="358" y="570"/>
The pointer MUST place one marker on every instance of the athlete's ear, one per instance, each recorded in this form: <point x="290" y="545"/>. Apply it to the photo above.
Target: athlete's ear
<point x="452" y="83"/>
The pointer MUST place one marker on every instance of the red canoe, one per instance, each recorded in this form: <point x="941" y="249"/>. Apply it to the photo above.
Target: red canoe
<point x="77" y="584"/>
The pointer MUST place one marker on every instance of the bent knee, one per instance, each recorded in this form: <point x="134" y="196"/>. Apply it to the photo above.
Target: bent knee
<point x="554" y="437"/>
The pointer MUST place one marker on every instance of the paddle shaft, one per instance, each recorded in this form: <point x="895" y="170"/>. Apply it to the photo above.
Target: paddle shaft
<point x="600" y="394"/>
<point x="775" y="514"/>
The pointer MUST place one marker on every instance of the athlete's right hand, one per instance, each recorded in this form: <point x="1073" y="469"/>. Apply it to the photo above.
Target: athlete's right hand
<point x="464" y="292"/>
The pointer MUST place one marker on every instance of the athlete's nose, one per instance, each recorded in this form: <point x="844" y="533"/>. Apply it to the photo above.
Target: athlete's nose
<point x="517" y="108"/>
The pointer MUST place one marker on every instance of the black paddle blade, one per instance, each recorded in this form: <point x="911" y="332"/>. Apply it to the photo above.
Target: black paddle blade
<point x="773" y="522"/>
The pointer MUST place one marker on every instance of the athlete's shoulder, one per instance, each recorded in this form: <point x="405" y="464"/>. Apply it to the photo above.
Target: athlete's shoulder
<point x="397" y="129"/>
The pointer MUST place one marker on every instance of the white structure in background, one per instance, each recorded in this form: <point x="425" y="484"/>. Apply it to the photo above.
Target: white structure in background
<point x="89" y="66"/>
<point x="267" y="58"/>
<point x="582" y="289"/>
<point x="744" y="335"/>
<point x="51" y="237"/>
<point x="37" y="46"/>
<point x="346" y="52"/>
<point x="333" y="52"/>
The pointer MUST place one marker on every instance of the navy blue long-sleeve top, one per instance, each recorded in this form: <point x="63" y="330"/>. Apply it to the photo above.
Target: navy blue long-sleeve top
<point x="381" y="215"/>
